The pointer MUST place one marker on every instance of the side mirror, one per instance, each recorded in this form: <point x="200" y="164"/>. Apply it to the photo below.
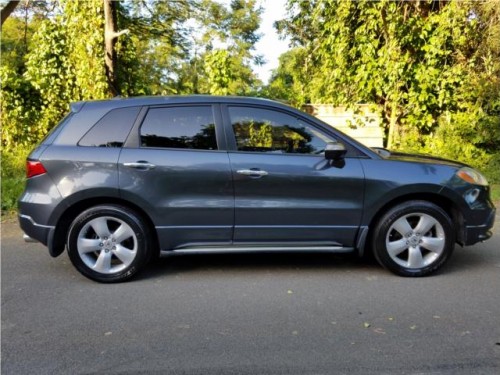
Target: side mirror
<point x="335" y="151"/>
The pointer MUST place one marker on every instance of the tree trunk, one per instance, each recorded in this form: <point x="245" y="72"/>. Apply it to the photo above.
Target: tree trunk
<point x="8" y="9"/>
<point x="110" y="36"/>
<point x="393" y="124"/>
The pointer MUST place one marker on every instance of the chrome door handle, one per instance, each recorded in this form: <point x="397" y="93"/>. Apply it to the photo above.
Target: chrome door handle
<point x="252" y="172"/>
<point x="140" y="165"/>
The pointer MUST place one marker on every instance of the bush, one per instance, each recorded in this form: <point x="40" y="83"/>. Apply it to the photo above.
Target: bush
<point x="13" y="177"/>
<point x="492" y="170"/>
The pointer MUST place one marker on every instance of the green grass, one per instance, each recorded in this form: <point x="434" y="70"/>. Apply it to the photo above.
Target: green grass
<point x="12" y="187"/>
<point x="13" y="178"/>
<point x="492" y="173"/>
<point x="495" y="194"/>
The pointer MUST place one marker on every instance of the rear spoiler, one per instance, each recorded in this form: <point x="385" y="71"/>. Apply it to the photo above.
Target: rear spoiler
<point x="76" y="106"/>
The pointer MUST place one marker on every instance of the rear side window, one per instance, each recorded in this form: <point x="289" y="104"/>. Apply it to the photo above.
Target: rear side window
<point x="179" y="127"/>
<point x="112" y="129"/>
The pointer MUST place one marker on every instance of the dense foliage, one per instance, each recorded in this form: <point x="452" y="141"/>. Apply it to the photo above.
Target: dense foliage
<point x="171" y="47"/>
<point x="431" y="68"/>
<point x="53" y="53"/>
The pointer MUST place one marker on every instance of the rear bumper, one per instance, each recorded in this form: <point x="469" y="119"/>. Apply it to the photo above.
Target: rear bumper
<point x="479" y="233"/>
<point x="35" y="231"/>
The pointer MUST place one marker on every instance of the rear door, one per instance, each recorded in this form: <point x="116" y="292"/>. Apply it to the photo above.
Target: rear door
<point x="285" y="190"/>
<point x="172" y="167"/>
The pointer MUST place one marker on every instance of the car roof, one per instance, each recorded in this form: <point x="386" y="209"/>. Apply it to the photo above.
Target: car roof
<point x="120" y="102"/>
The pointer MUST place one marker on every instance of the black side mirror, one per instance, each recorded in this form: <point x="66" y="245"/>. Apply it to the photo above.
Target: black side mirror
<point x="335" y="151"/>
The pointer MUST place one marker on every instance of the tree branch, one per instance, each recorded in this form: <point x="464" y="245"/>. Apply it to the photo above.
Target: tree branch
<point x="111" y="35"/>
<point x="8" y="9"/>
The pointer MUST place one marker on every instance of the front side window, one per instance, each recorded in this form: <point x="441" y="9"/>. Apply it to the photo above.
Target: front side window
<point x="179" y="127"/>
<point x="263" y="130"/>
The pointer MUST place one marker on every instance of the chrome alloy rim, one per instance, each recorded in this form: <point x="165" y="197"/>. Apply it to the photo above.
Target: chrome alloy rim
<point x="415" y="240"/>
<point x="107" y="245"/>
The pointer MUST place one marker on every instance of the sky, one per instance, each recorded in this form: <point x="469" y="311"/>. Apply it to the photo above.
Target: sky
<point x="270" y="46"/>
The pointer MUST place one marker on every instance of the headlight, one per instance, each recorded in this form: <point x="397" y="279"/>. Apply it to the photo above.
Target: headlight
<point x="472" y="176"/>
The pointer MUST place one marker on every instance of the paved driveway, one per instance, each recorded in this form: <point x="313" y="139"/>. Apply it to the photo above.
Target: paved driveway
<point x="250" y="314"/>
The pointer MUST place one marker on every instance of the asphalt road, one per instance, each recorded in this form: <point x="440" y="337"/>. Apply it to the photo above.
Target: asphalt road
<point x="250" y="314"/>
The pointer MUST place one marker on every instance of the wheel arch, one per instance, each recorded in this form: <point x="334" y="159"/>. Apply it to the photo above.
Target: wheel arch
<point x="58" y="242"/>
<point x="441" y="201"/>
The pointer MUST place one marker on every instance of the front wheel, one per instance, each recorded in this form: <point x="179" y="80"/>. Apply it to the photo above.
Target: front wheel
<point x="108" y="243"/>
<point x="415" y="238"/>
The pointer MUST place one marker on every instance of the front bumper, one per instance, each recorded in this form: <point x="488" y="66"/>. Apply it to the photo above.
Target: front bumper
<point x="479" y="233"/>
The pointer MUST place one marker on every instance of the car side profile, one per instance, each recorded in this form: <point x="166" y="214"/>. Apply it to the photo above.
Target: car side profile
<point x="119" y="181"/>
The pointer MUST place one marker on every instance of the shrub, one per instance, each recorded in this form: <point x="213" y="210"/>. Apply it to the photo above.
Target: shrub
<point x="13" y="177"/>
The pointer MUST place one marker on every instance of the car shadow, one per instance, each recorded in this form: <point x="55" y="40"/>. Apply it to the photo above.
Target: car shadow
<point x="462" y="260"/>
<point x="265" y="262"/>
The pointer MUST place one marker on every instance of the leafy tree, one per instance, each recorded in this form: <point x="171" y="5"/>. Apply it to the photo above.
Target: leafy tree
<point x="48" y="71"/>
<point x="83" y="20"/>
<point x="472" y="131"/>
<point x="62" y="68"/>
<point x="159" y="35"/>
<point x="58" y="58"/>
<point x="218" y="69"/>
<point x="288" y="81"/>
<point x="20" y="101"/>
<point x="223" y="44"/>
<point x="192" y="46"/>
<point x="53" y="53"/>
<point x="415" y="60"/>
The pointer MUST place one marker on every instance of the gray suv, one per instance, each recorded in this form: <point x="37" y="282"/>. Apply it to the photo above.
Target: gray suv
<point x="119" y="181"/>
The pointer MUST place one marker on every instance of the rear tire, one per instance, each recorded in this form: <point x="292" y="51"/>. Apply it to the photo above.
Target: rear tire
<point x="414" y="239"/>
<point x="109" y="243"/>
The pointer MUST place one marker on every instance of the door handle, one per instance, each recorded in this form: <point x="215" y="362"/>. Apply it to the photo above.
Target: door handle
<point x="252" y="172"/>
<point x="144" y="165"/>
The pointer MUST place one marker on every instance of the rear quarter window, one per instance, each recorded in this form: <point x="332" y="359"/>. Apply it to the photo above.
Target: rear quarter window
<point x="52" y="135"/>
<point x="112" y="129"/>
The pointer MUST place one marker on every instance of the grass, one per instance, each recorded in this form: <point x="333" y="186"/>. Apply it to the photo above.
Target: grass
<point x="495" y="194"/>
<point x="13" y="178"/>
<point x="12" y="187"/>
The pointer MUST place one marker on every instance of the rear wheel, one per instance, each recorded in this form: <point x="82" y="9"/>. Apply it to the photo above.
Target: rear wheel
<point x="109" y="243"/>
<point x="415" y="238"/>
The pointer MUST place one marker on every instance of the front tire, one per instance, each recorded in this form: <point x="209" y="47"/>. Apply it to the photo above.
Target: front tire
<point x="415" y="238"/>
<point x="109" y="243"/>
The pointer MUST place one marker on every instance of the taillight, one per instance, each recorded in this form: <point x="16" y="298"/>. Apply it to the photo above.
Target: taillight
<point x="34" y="168"/>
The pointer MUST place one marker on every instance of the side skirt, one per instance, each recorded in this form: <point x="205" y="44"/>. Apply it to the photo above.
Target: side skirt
<point x="257" y="249"/>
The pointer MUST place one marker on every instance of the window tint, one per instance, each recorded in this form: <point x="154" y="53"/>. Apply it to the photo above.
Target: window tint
<point x="111" y="130"/>
<point x="179" y="127"/>
<point x="265" y="130"/>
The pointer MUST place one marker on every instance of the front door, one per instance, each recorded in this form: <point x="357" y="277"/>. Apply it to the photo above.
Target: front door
<point x="285" y="190"/>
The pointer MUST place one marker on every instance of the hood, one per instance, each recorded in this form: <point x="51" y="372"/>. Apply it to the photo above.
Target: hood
<point x="417" y="158"/>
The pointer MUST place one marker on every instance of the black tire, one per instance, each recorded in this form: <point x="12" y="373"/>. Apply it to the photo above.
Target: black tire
<point x="109" y="243"/>
<point x="413" y="239"/>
